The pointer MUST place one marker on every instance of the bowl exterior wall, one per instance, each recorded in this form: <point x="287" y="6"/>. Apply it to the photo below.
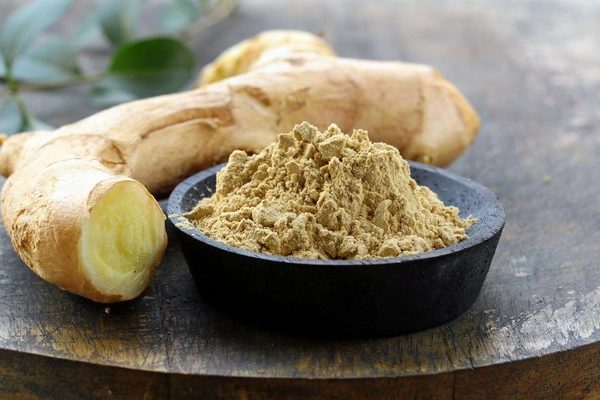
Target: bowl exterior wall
<point x="336" y="298"/>
<point x="334" y="301"/>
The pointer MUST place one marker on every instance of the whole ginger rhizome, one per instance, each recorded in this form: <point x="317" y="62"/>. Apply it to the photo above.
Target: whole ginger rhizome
<point x="326" y="195"/>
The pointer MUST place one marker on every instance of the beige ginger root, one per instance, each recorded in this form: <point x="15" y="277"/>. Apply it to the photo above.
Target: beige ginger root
<point x="65" y="187"/>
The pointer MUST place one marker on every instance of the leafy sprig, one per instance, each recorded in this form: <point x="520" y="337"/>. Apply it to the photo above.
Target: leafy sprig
<point x="139" y="67"/>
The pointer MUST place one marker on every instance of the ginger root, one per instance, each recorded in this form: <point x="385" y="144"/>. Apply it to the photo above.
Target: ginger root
<point x="261" y="49"/>
<point x="77" y="205"/>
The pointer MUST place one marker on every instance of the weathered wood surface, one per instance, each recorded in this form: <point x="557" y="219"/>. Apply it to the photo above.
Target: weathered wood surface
<point x="532" y="70"/>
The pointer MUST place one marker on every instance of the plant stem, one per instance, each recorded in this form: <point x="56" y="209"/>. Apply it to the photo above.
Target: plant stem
<point x="59" y="84"/>
<point x="25" y="116"/>
<point x="223" y="9"/>
<point x="11" y="86"/>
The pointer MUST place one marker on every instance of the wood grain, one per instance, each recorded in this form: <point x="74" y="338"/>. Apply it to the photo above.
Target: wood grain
<point x="560" y="376"/>
<point x="533" y="73"/>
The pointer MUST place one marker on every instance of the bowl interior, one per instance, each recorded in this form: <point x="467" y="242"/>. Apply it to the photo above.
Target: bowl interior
<point x="471" y="198"/>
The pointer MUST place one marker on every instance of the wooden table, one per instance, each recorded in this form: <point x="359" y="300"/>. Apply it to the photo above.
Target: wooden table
<point x="532" y="70"/>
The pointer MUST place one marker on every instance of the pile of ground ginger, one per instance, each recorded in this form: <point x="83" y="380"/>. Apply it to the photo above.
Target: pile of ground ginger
<point x="326" y="195"/>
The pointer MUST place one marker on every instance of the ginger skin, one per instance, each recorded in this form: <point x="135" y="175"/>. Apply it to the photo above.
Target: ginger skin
<point x="57" y="178"/>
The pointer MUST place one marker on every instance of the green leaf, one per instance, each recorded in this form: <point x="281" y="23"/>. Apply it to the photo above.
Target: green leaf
<point x="15" y="118"/>
<point x="108" y="93"/>
<point x="21" y="27"/>
<point x="10" y="116"/>
<point x="119" y="19"/>
<point x="179" y="14"/>
<point x="34" y="124"/>
<point x="2" y="67"/>
<point x="52" y="60"/>
<point x="87" y="31"/>
<point x="151" y="67"/>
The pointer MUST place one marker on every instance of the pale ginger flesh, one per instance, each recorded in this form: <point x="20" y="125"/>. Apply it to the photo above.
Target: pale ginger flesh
<point x="121" y="238"/>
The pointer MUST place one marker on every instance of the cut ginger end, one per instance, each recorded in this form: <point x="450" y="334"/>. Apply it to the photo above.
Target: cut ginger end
<point x="123" y="240"/>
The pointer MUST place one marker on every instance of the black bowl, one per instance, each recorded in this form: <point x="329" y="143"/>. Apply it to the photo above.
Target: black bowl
<point x="345" y="298"/>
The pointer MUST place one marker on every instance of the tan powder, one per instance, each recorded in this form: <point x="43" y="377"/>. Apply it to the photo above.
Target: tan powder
<point x="326" y="195"/>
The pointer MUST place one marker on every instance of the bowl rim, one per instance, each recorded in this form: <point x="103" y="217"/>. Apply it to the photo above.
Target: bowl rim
<point x="494" y="216"/>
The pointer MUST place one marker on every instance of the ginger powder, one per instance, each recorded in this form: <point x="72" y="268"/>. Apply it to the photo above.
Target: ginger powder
<point x="326" y="195"/>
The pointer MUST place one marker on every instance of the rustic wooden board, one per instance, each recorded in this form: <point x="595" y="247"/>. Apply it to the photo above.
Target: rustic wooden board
<point x="532" y="70"/>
